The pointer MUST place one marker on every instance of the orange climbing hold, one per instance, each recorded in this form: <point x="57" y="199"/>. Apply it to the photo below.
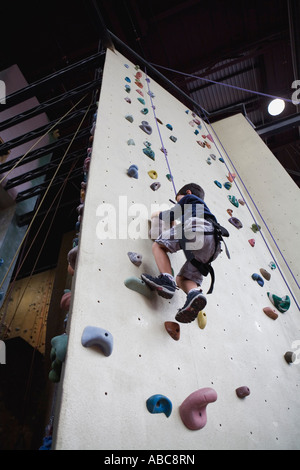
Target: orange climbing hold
<point x="173" y="329"/>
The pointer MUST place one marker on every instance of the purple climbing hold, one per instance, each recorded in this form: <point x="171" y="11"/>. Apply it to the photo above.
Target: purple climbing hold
<point x="242" y="392"/>
<point x="236" y="222"/>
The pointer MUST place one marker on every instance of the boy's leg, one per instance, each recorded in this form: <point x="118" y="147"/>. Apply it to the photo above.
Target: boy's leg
<point x="164" y="283"/>
<point x="195" y="300"/>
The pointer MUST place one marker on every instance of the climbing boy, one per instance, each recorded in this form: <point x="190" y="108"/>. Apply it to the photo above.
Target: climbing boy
<point x="196" y="219"/>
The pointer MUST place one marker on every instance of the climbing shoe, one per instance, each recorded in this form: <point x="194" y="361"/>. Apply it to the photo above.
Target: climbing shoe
<point x="165" y="286"/>
<point x="195" y="301"/>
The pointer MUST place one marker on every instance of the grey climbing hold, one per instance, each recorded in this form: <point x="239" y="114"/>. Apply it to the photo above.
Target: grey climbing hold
<point x="135" y="258"/>
<point x="174" y="139"/>
<point x="129" y="117"/>
<point x="155" y="186"/>
<point x="95" y="336"/>
<point x="130" y="142"/>
<point x="136" y="284"/>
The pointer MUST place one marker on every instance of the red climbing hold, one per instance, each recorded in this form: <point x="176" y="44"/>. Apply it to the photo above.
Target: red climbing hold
<point x="242" y="392"/>
<point x="173" y="329"/>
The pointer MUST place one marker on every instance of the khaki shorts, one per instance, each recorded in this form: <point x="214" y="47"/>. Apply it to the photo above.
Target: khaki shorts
<point x="189" y="271"/>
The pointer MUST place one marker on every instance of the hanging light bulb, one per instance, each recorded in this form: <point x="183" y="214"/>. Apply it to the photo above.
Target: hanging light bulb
<point x="276" y="107"/>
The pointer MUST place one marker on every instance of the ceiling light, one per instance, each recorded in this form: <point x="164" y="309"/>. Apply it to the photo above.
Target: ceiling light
<point x="276" y="107"/>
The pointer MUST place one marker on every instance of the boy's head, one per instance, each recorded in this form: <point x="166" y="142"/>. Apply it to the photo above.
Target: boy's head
<point x="191" y="188"/>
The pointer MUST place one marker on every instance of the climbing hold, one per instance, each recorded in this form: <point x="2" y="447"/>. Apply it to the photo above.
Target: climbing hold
<point x="196" y="132"/>
<point x="169" y="127"/>
<point x="139" y="84"/>
<point x="155" y="186"/>
<point x="265" y="274"/>
<point x="137" y="67"/>
<point x="1" y="261"/>
<point x="272" y="265"/>
<point x="255" y="228"/>
<point x="145" y="126"/>
<point x="138" y="75"/>
<point x="270" y="313"/>
<point x="127" y="99"/>
<point x="193" y="409"/>
<point x="126" y="65"/>
<point x="218" y="183"/>
<point x="173" y="138"/>
<point x="231" y="177"/>
<point x="236" y="222"/>
<point x="290" y="357"/>
<point x="208" y="160"/>
<point x="127" y="88"/>
<point x="144" y="111"/>
<point x="233" y="201"/>
<point x="227" y="185"/>
<point x="221" y="159"/>
<point x="149" y="152"/>
<point x="128" y="79"/>
<point x="141" y="100"/>
<point x="129" y="117"/>
<point x="95" y="336"/>
<point x="170" y="177"/>
<point x="209" y="137"/>
<point x="196" y="121"/>
<point x="140" y="92"/>
<point x="173" y="329"/>
<point x="72" y="256"/>
<point x="241" y="201"/>
<point x="202" y="320"/>
<point x="130" y="142"/>
<point x="242" y="392"/>
<point x="281" y="303"/>
<point x="59" y="345"/>
<point x="201" y="144"/>
<point x="136" y="284"/>
<point x="66" y="300"/>
<point x="230" y="212"/>
<point x="252" y="242"/>
<point x="147" y="143"/>
<point x="212" y="156"/>
<point x="151" y="94"/>
<point x="191" y="123"/>
<point x="258" y="278"/>
<point x="159" y="404"/>
<point x="159" y="121"/>
<point x="135" y="258"/>
<point x="153" y="174"/>
<point x="164" y="151"/>
<point x="133" y="171"/>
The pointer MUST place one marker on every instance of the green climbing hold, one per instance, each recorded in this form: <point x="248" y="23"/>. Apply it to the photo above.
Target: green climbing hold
<point x="144" y="111"/>
<point x="233" y="201"/>
<point x="255" y="228"/>
<point x="136" y="284"/>
<point x="227" y="185"/>
<point x="149" y="152"/>
<point x="170" y="177"/>
<point x="281" y="303"/>
<point x="141" y="100"/>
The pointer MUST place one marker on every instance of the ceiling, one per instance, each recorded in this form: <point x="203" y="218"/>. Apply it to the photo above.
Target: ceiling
<point x="198" y="46"/>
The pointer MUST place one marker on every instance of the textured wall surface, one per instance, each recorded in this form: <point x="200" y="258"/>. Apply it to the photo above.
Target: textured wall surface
<point x="102" y="399"/>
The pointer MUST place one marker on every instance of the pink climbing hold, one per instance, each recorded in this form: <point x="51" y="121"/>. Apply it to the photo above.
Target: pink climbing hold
<point x="252" y="242"/>
<point x="193" y="408"/>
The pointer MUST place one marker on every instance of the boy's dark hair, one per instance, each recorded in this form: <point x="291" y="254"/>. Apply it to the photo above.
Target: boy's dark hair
<point x="194" y="188"/>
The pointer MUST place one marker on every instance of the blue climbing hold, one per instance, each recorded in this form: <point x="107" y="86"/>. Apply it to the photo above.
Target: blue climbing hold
<point x="159" y="404"/>
<point x="1" y="261"/>
<point x="217" y="183"/>
<point x="128" y="79"/>
<point x="169" y="127"/>
<point x="258" y="278"/>
<point x="133" y="171"/>
<point x="95" y="336"/>
<point x="149" y="152"/>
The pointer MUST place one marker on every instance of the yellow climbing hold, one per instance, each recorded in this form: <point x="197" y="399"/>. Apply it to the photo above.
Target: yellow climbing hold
<point x="153" y="174"/>
<point x="202" y="320"/>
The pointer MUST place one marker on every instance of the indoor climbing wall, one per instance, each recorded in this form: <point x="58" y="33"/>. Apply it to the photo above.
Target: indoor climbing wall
<point x="129" y="380"/>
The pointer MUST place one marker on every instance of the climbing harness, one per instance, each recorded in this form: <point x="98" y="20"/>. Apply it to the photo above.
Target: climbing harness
<point x="206" y="268"/>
